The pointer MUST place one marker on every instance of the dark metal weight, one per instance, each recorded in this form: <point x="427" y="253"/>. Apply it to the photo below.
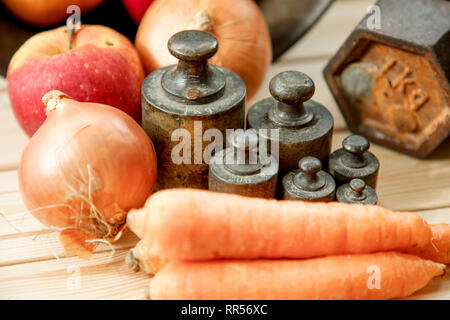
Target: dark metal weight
<point x="356" y="192"/>
<point x="242" y="169"/>
<point x="304" y="126"/>
<point x="308" y="182"/>
<point x="193" y="96"/>
<point x="354" y="160"/>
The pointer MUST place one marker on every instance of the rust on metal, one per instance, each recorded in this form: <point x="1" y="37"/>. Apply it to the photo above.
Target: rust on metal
<point x="392" y="83"/>
<point x="192" y="94"/>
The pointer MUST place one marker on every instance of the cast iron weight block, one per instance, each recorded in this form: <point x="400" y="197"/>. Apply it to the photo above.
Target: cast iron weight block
<point x="308" y="182"/>
<point x="305" y="126"/>
<point x="392" y="83"/>
<point x="242" y="169"/>
<point x="194" y="96"/>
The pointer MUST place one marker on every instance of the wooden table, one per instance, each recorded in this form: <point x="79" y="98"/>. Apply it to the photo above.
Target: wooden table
<point x="32" y="262"/>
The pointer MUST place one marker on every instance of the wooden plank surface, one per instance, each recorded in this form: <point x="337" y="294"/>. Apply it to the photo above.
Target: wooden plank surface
<point x="102" y="277"/>
<point x="33" y="264"/>
<point x="12" y="138"/>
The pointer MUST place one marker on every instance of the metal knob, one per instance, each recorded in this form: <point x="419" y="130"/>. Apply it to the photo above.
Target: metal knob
<point x="243" y="140"/>
<point x="356" y="146"/>
<point x="193" y="45"/>
<point x="307" y="178"/>
<point x="193" y="78"/>
<point x="291" y="89"/>
<point x="357" y="186"/>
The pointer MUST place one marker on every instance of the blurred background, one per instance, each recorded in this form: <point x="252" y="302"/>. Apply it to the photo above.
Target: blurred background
<point x="288" y="21"/>
<point x="14" y="31"/>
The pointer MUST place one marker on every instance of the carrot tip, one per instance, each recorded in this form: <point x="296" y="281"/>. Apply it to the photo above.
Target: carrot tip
<point x="131" y="220"/>
<point x="444" y="270"/>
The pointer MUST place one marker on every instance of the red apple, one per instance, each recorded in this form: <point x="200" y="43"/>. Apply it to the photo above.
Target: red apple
<point x="136" y="8"/>
<point x="101" y="67"/>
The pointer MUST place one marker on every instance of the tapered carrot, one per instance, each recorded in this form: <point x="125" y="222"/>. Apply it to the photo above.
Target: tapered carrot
<point x="438" y="249"/>
<point x="192" y="224"/>
<point x="383" y="275"/>
<point x="139" y="258"/>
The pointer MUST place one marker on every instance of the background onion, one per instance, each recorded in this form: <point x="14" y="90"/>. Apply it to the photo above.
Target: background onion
<point x="85" y="167"/>
<point x="243" y="35"/>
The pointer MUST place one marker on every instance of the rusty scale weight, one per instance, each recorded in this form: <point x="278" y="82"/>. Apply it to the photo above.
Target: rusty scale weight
<point x="356" y="192"/>
<point x="305" y="126"/>
<point x="308" y="182"/>
<point x="180" y="103"/>
<point x="392" y="80"/>
<point x="354" y="160"/>
<point x="244" y="169"/>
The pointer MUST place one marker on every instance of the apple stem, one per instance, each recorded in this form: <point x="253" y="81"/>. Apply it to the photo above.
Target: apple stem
<point x="70" y="32"/>
<point x="71" y="29"/>
<point x="202" y="21"/>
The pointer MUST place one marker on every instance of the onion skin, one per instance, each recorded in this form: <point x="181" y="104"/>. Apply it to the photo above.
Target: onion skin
<point x="239" y="26"/>
<point x="54" y="174"/>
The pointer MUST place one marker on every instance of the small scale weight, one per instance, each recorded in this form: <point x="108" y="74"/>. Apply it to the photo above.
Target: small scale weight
<point x="356" y="192"/>
<point x="354" y="160"/>
<point x="241" y="169"/>
<point x="305" y="126"/>
<point x="308" y="182"/>
<point x="391" y="81"/>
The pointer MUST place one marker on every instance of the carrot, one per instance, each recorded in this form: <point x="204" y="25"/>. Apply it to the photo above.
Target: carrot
<point x="438" y="249"/>
<point x="383" y="275"/>
<point x="139" y="258"/>
<point x="189" y="224"/>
